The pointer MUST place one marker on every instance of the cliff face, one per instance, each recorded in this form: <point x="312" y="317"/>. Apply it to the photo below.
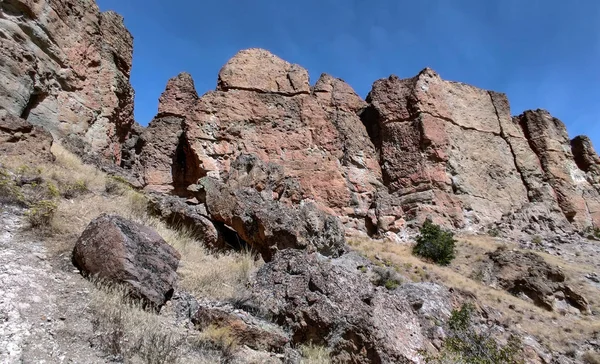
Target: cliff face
<point x="417" y="148"/>
<point x="265" y="106"/>
<point x="453" y="151"/>
<point x="65" y="66"/>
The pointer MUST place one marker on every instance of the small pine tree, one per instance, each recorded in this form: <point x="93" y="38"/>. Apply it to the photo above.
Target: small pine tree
<point x="435" y="243"/>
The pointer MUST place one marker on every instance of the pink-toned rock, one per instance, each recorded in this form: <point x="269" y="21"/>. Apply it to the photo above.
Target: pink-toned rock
<point x="548" y="138"/>
<point x="179" y="97"/>
<point x="65" y="66"/>
<point x="442" y="150"/>
<point x="259" y="70"/>
<point x="318" y="138"/>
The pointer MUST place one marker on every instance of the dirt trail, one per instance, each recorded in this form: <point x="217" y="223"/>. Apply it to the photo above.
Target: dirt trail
<point x="44" y="314"/>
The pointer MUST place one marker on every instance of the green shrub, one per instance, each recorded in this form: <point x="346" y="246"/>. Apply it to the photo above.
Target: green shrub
<point x="494" y="232"/>
<point x="435" y="243"/>
<point x="41" y="213"/>
<point x="465" y="345"/>
<point x="391" y="284"/>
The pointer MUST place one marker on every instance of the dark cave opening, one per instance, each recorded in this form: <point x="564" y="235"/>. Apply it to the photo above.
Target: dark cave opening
<point x="35" y="99"/>
<point x="186" y="168"/>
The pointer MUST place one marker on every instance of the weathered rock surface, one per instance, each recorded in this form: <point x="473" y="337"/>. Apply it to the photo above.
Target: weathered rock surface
<point x="259" y="70"/>
<point x="249" y="202"/>
<point x="65" y="66"/>
<point x="121" y="251"/>
<point x="330" y="302"/>
<point x="179" y="212"/>
<point x="453" y="151"/>
<point x="529" y="276"/>
<point x="264" y="106"/>
<point x="418" y="148"/>
<point x="19" y="137"/>
<point x="548" y="138"/>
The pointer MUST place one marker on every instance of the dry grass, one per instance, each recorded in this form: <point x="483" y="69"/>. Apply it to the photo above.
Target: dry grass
<point x="81" y="193"/>
<point x="461" y="275"/>
<point x="314" y="354"/>
<point x="125" y="330"/>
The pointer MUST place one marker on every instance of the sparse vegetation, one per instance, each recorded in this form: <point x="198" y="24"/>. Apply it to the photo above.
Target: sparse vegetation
<point x="435" y="244"/>
<point x="41" y="213"/>
<point x="219" y="338"/>
<point x="9" y="191"/>
<point x="464" y="344"/>
<point x="314" y="354"/>
<point x="126" y="331"/>
<point x="591" y="357"/>
<point x="494" y="232"/>
<point x="537" y="240"/>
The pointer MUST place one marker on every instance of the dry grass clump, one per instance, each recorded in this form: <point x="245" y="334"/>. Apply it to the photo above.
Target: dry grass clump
<point x="314" y="354"/>
<point x="64" y="196"/>
<point x="126" y="331"/>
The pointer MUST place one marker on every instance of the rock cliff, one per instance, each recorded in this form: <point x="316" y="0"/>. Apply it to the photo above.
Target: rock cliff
<point x="65" y="66"/>
<point x="416" y="148"/>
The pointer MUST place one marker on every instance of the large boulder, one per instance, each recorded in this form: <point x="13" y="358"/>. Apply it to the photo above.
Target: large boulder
<point x="66" y="66"/>
<point x="250" y="202"/>
<point x="117" y="250"/>
<point x="18" y="137"/>
<point x="529" y="276"/>
<point x="331" y="302"/>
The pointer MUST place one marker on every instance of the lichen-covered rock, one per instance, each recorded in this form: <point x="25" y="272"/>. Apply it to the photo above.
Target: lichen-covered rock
<point x="121" y="251"/>
<point x="548" y="138"/>
<point x="66" y="66"/>
<point x="330" y="302"/>
<point x="452" y="152"/>
<point x="18" y="137"/>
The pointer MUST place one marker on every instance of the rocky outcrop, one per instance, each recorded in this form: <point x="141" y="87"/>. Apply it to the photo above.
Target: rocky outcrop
<point x="452" y="151"/>
<point x="332" y="303"/>
<point x="250" y="202"/>
<point x="66" y="66"/>
<point x="264" y="106"/>
<point x="548" y="138"/>
<point x="529" y="276"/>
<point x="117" y="250"/>
<point x="417" y="148"/>
<point x="18" y="137"/>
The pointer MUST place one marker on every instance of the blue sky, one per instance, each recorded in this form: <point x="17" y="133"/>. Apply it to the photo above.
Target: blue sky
<point x="542" y="53"/>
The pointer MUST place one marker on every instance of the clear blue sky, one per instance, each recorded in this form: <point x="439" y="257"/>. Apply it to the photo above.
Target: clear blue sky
<point x="542" y="53"/>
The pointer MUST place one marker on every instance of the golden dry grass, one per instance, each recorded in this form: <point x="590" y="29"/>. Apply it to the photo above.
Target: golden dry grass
<point x="313" y="354"/>
<point x="551" y="328"/>
<point x="81" y="193"/>
<point x="220" y="276"/>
